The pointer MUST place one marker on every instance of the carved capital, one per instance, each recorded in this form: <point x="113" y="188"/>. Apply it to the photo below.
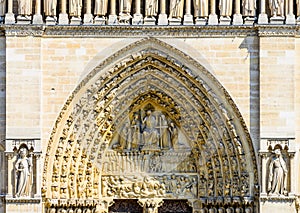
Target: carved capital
<point x="150" y="205"/>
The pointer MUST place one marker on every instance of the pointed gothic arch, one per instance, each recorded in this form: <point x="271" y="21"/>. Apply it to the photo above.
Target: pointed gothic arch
<point x="215" y="149"/>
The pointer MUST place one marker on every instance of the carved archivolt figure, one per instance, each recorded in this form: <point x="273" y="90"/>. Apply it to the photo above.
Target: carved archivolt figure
<point x="151" y="8"/>
<point x="225" y="7"/>
<point x="25" y="7"/>
<point x="249" y="8"/>
<point x="50" y="7"/>
<point x="23" y="174"/>
<point x="100" y="7"/>
<point x="276" y="7"/>
<point x="176" y="9"/>
<point x="277" y="175"/>
<point x="201" y="8"/>
<point x="75" y="8"/>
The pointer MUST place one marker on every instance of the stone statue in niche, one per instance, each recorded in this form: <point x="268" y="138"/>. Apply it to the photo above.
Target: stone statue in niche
<point x="276" y="8"/>
<point x="125" y="10"/>
<point x="25" y="9"/>
<point x="75" y="8"/>
<point x="2" y="7"/>
<point x="200" y="8"/>
<point x="277" y="184"/>
<point x="225" y="7"/>
<point x="249" y="8"/>
<point x="100" y="8"/>
<point x="50" y="8"/>
<point x="176" y="9"/>
<point x="151" y="8"/>
<point x="23" y="169"/>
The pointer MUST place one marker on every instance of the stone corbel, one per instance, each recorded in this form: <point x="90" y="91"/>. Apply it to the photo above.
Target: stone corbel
<point x="150" y="205"/>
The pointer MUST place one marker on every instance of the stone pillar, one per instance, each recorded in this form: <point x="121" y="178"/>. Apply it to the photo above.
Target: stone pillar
<point x="237" y="17"/>
<point x="188" y="18"/>
<point x="9" y="174"/>
<point x="263" y="17"/>
<point x="112" y="18"/>
<point x="263" y="173"/>
<point x="290" y="17"/>
<point x="137" y="17"/>
<point x="162" y="18"/>
<point x="63" y="16"/>
<point x="88" y="17"/>
<point x="38" y="173"/>
<point x="212" y="18"/>
<point x="37" y="17"/>
<point x="292" y="175"/>
<point x="9" y="16"/>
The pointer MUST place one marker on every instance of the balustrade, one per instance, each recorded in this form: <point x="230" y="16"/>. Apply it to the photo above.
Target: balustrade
<point x="149" y="12"/>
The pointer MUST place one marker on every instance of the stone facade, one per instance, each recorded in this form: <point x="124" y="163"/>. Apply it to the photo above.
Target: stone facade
<point x="72" y="96"/>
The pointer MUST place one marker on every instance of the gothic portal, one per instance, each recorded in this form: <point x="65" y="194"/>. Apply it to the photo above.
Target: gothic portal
<point x="150" y="130"/>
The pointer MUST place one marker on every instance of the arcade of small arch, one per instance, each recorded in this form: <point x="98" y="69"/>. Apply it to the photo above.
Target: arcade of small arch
<point x="95" y="155"/>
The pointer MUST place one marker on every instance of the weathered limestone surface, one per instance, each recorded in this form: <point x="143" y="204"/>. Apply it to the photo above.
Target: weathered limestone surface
<point x="261" y="73"/>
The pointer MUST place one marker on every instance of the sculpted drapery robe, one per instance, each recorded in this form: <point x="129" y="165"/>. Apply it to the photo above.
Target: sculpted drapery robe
<point x="24" y="7"/>
<point x="151" y="8"/>
<point x="225" y="7"/>
<point x="176" y="8"/>
<point x="100" y="7"/>
<point x="249" y="7"/>
<point x="277" y="176"/>
<point x="276" y="7"/>
<point x="201" y="8"/>
<point x="75" y="8"/>
<point x="50" y="7"/>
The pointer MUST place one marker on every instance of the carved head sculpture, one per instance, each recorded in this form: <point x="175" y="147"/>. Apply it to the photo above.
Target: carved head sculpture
<point x="277" y="152"/>
<point x="23" y="152"/>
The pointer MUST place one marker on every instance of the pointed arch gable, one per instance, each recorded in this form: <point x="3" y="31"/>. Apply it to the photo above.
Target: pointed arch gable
<point x="149" y="72"/>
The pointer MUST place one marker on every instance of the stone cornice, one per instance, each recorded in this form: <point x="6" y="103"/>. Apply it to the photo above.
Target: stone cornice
<point x="96" y="31"/>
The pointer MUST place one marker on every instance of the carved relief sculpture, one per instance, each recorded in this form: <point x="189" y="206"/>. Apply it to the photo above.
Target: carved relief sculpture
<point x="225" y="7"/>
<point x="23" y="169"/>
<point x="100" y="8"/>
<point x="276" y="8"/>
<point x="50" y="7"/>
<point x="176" y="9"/>
<point x="150" y="133"/>
<point x="277" y="184"/>
<point x="200" y="8"/>
<point x="249" y="8"/>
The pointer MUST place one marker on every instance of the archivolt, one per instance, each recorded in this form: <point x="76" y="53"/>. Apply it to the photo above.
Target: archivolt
<point x="149" y="71"/>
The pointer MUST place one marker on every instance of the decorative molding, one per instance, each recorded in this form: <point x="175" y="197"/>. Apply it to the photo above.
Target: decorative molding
<point x="33" y="144"/>
<point x="23" y="200"/>
<point x="278" y="198"/>
<point x="118" y="31"/>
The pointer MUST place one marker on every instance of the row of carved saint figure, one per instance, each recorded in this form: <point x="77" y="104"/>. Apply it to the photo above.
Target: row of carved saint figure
<point x="149" y="12"/>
